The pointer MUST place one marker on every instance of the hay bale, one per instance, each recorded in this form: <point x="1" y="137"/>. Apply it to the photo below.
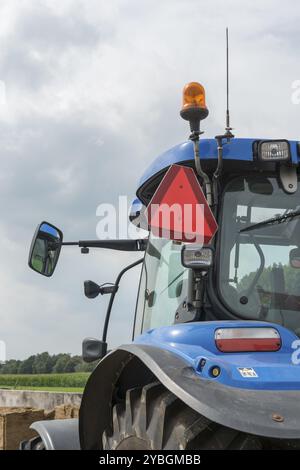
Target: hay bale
<point x="49" y="414"/>
<point x="14" y="426"/>
<point x="66" y="412"/>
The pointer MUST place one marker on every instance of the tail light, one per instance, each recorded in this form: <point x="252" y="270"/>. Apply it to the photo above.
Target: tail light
<point x="247" y="339"/>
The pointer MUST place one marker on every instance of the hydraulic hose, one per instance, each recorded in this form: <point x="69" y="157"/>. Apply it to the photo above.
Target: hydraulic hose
<point x="201" y="173"/>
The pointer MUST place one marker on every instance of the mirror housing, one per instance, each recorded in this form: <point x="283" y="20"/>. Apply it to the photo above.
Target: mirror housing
<point x="45" y="249"/>
<point x="93" y="349"/>
<point x="91" y="289"/>
<point x="295" y="258"/>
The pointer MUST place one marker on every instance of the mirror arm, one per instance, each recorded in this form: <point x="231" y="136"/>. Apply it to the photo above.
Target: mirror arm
<point x="121" y="245"/>
<point x="112" y="297"/>
<point x="92" y="349"/>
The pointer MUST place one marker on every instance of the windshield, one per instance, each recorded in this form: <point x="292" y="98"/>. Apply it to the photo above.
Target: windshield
<point x="256" y="280"/>
<point x="163" y="283"/>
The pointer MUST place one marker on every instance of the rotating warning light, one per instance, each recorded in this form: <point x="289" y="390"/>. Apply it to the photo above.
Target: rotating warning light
<point x="193" y="96"/>
<point x="194" y="107"/>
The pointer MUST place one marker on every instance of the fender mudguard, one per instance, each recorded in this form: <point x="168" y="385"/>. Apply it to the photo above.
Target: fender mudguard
<point x="268" y="413"/>
<point x="58" y="434"/>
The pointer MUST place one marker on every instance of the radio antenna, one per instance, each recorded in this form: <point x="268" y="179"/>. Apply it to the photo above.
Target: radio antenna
<point x="228" y="129"/>
<point x="228" y="134"/>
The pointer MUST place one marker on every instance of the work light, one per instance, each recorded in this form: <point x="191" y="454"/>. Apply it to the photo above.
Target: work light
<point x="273" y="150"/>
<point x="197" y="257"/>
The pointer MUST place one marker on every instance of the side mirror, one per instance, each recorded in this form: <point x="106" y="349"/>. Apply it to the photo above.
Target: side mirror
<point x="295" y="258"/>
<point x="45" y="249"/>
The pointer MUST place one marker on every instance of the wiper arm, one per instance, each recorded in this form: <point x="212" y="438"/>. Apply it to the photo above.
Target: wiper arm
<point x="274" y="220"/>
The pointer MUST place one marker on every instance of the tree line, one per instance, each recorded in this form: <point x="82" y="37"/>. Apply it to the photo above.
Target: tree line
<point x="291" y="278"/>
<point x="44" y="363"/>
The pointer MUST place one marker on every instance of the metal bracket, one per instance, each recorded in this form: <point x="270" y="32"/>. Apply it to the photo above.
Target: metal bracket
<point x="288" y="178"/>
<point x="185" y="313"/>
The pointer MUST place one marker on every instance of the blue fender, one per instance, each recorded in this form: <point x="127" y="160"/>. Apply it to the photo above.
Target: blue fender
<point x="262" y="407"/>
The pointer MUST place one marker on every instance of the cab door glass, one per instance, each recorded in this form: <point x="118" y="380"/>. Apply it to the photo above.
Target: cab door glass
<point x="164" y="284"/>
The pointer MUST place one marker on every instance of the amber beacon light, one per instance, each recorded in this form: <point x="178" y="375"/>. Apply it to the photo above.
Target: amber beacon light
<point x="194" y="107"/>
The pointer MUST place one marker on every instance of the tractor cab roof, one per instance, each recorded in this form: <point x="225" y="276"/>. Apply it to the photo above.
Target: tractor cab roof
<point x="241" y="151"/>
<point x="236" y="149"/>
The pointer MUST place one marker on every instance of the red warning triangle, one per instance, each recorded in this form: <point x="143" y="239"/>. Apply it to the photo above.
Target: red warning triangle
<point x="179" y="210"/>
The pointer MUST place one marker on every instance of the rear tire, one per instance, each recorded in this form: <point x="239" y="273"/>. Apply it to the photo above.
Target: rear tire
<point x="152" y="418"/>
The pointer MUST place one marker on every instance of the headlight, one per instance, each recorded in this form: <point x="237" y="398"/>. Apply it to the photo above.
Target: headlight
<point x="273" y="150"/>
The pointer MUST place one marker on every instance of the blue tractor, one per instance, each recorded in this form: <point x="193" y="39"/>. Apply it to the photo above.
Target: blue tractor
<point x="213" y="362"/>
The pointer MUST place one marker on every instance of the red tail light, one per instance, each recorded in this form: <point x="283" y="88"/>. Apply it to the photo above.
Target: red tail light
<point x="247" y="339"/>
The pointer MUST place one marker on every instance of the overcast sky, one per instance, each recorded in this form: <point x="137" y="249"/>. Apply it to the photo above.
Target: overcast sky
<point x="90" y="93"/>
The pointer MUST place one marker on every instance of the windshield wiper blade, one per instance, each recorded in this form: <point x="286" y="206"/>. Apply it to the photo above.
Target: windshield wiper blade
<point x="274" y="220"/>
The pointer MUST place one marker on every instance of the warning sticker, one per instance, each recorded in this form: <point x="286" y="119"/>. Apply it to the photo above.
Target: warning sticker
<point x="247" y="372"/>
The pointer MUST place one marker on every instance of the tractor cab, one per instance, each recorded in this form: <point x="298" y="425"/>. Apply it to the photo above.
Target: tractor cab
<point x="254" y="272"/>
<point x="244" y="260"/>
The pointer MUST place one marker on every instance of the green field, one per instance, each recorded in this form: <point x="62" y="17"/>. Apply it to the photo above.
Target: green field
<point x="46" y="389"/>
<point x="73" y="382"/>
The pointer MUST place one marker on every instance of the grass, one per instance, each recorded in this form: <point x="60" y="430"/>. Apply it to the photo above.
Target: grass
<point x="46" y="389"/>
<point x="52" y="382"/>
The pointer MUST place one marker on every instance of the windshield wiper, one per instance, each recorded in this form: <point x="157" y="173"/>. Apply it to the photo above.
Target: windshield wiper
<point x="274" y="220"/>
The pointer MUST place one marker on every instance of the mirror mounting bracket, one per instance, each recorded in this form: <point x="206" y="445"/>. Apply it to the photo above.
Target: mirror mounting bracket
<point x="288" y="178"/>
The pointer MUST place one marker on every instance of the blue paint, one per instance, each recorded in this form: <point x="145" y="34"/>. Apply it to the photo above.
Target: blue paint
<point x="236" y="149"/>
<point x="195" y="341"/>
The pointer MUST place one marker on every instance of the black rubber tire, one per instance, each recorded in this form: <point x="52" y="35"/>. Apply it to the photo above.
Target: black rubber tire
<point x="35" y="443"/>
<point x="152" y="418"/>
